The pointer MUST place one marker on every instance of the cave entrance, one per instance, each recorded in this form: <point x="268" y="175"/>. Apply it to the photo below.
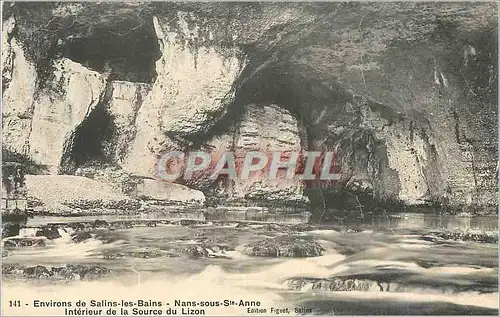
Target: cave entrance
<point x="126" y="55"/>
<point x="307" y="98"/>
<point x="89" y="139"/>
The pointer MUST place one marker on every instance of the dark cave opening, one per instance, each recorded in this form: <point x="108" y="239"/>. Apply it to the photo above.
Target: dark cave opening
<point x="272" y="86"/>
<point x="90" y="138"/>
<point x="304" y="96"/>
<point x="302" y="93"/>
<point x="125" y="56"/>
<point x="308" y="97"/>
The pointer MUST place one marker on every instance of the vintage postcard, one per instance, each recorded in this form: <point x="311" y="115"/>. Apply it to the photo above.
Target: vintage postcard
<point x="249" y="158"/>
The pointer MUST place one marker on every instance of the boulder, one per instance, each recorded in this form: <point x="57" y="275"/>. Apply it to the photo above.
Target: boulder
<point x="170" y="192"/>
<point x="81" y="236"/>
<point x="465" y="235"/>
<point x="68" y="272"/>
<point x="206" y="250"/>
<point x="24" y="243"/>
<point x="10" y="229"/>
<point x="285" y="246"/>
<point x="49" y="232"/>
<point x="336" y="284"/>
<point x="140" y="254"/>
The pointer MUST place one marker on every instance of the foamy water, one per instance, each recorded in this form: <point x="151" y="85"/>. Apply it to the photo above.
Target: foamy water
<point x="422" y="275"/>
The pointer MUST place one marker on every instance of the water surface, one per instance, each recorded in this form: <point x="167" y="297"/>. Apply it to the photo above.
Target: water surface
<point x="402" y="271"/>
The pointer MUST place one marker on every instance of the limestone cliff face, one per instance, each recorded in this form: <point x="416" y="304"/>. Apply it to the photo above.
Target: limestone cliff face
<point x="60" y="109"/>
<point x="41" y="124"/>
<point x="406" y="93"/>
<point x="267" y="129"/>
<point x="126" y="100"/>
<point x="19" y="84"/>
<point x="192" y="90"/>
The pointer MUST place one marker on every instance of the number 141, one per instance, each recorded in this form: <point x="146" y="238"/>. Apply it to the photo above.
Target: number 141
<point x="14" y="303"/>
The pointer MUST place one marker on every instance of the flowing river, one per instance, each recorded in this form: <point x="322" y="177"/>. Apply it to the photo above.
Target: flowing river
<point x="383" y="266"/>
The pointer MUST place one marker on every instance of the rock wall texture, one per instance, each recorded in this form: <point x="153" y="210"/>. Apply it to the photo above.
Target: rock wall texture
<point x="18" y="90"/>
<point x="406" y="93"/>
<point x="126" y="100"/>
<point x="60" y="109"/>
<point x="192" y="90"/>
<point x="262" y="128"/>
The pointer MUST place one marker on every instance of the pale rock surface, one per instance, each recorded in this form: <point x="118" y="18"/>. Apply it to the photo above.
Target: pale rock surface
<point x="161" y="190"/>
<point x="267" y="129"/>
<point x="19" y="73"/>
<point x="438" y="138"/>
<point x="126" y="100"/>
<point x="19" y="84"/>
<point x="15" y="134"/>
<point x="60" y="110"/>
<point x="428" y="166"/>
<point x="139" y="188"/>
<point x="192" y="90"/>
<point x="54" y="191"/>
<point x="406" y="155"/>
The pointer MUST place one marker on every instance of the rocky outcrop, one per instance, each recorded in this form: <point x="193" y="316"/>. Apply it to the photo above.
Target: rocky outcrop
<point x="141" y="254"/>
<point x="18" y="91"/>
<point x="463" y="235"/>
<point x="126" y="100"/>
<point x="336" y="285"/>
<point x="262" y="128"/>
<point x="68" y="194"/>
<point x="285" y="246"/>
<point x="159" y="190"/>
<point x="12" y="243"/>
<point x="75" y="93"/>
<point x="154" y="191"/>
<point x="404" y="281"/>
<point x="68" y="272"/>
<point x="267" y="129"/>
<point x="50" y="232"/>
<point x="171" y="110"/>
<point x="81" y="236"/>
<point x="112" y="175"/>
<point x="77" y="194"/>
<point x="42" y="125"/>
<point x="10" y="229"/>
